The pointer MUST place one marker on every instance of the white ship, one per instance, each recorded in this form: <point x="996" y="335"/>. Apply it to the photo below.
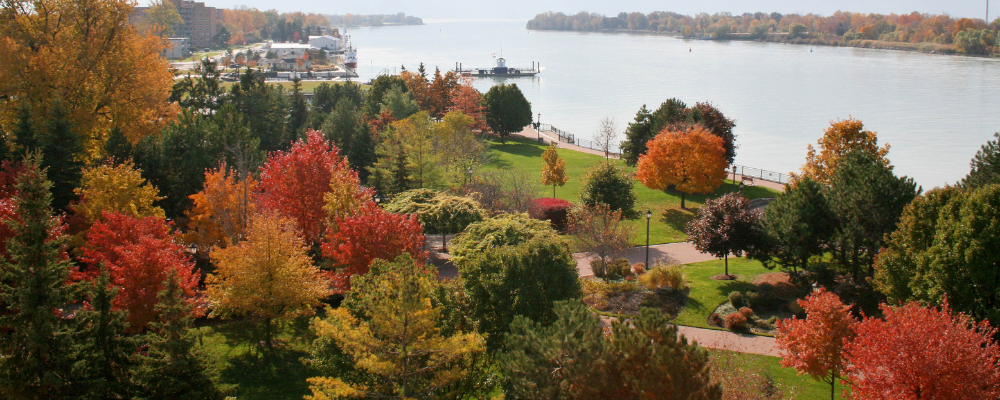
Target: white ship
<point x="350" y="54"/>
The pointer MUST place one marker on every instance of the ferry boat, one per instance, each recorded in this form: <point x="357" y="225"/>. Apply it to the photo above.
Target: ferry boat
<point x="350" y="54"/>
<point x="500" y="70"/>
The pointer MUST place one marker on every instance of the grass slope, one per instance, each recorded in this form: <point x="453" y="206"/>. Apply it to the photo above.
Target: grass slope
<point x="707" y="293"/>
<point x="668" y="221"/>
<point x="796" y="386"/>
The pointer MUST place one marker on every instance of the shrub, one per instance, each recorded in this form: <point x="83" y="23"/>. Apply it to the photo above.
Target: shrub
<point x="664" y="276"/>
<point x="608" y="183"/>
<point x="747" y="312"/>
<point x="556" y="211"/>
<point x="639" y="268"/>
<point x="737" y="300"/>
<point x="736" y="322"/>
<point x="795" y="308"/>
<point x="752" y="299"/>
<point x="716" y="319"/>
<point x="619" y="269"/>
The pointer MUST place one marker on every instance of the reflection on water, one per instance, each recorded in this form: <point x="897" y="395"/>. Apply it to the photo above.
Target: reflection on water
<point x="934" y="110"/>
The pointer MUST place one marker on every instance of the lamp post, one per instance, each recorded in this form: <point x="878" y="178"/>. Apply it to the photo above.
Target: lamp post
<point x="470" y="174"/>
<point x="741" y="188"/>
<point x="538" y="127"/>
<point x="649" y="215"/>
<point x="734" y="176"/>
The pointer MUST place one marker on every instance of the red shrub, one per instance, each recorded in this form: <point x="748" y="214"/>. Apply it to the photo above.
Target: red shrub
<point x="747" y="312"/>
<point x="553" y="210"/>
<point x="736" y="322"/>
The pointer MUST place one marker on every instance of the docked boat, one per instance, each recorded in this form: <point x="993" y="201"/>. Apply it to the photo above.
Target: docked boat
<point x="350" y="54"/>
<point x="499" y="70"/>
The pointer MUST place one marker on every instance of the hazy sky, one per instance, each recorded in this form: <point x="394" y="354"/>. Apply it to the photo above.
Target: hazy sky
<point x="525" y="9"/>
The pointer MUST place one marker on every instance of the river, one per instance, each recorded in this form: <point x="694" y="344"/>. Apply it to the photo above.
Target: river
<point x="935" y="111"/>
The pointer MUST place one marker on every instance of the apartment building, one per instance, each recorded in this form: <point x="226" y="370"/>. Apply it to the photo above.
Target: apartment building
<point x="201" y="23"/>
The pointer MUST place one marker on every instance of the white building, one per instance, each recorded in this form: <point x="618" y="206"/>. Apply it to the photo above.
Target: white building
<point x="177" y="48"/>
<point x="326" y="42"/>
<point x="283" y="49"/>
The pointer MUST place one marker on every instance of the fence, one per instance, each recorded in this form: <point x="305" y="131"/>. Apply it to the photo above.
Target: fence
<point x="572" y="139"/>
<point x="758" y="173"/>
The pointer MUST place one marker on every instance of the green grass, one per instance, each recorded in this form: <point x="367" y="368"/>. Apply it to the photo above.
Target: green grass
<point x="307" y="86"/>
<point x="707" y="293"/>
<point x="801" y="386"/>
<point x="668" y="221"/>
<point x="249" y="375"/>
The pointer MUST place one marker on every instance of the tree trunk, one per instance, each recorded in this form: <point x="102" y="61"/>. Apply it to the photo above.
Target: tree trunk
<point x="444" y="242"/>
<point x="682" y="201"/>
<point x="833" y="381"/>
<point x="727" y="265"/>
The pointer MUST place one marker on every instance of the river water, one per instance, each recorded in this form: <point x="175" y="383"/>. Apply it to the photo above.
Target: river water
<point x="935" y="111"/>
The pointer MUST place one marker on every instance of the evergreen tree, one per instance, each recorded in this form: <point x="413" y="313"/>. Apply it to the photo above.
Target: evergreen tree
<point x="349" y="131"/>
<point x="299" y="112"/>
<point x="985" y="165"/>
<point x="62" y="151"/>
<point x="24" y="136"/>
<point x="390" y="174"/>
<point x="797" y="225"/>
<point x="173" y="368"/>
<point x="608" y="183"/>
<point x="380" y="86"/>
<point x="117" y="148"/>
<point x="37" y="352"/>
<point x="648" y="124"/>
<point x="264" y="107"/>
<point x="507" y="111"/>
<point x="105" y="353"/>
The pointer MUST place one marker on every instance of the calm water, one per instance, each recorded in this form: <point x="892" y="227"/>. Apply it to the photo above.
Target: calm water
<point x="934" y="110"/>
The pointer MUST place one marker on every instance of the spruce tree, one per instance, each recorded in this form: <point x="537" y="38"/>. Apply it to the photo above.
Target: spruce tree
<point x="24" y="136"/>
<point x="172" y="368"/>
<point x="105" y="352"/>
<point x="35" y="355"/>
<point x="62" y="148"/>
<point x="117" y="148"/>
<point x="299" y="112"/>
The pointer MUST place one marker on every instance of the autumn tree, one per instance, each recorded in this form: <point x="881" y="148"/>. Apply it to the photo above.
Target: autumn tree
<point x="599" y="230"/>
<point x="840" y="138"/>
<point x="294" y="183"/>
<point x="221" y="210"/>
<point x="391" y="330"/>
<point x="725" y="226"/>
<point x="691" y="161"/>
<point x="439" y="213"/>
<point x="553" y="169"/>
<point x="93" y="61"/>
<point x="605" y="134"/>
<point x="37" y="349"/>
<point x="140" y="254"/>
<point x="467" y="100"/>
<point x="608" y="183"/>
<point x="797" y="225"/>
<point x="672" y="113"/>
<point x="918" y="352"/>
<point x="253" y="277"/>
<point x="458" y="147"/>
<point x="161" y="18"/>
<point x="507" y="111"/>
<point x="110" y="188"/>
<point x="368" y="234"/>
<point x="815" y="345"/>
<point x="346" y="196"/>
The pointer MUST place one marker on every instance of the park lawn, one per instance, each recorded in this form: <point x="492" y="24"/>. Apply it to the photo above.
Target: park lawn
<point x="799" y="386"/>
<point x="667" y="225"/>
<point x="706" y="293"/>
<point x="246" y="375"/>
<point x="307" y="86"/>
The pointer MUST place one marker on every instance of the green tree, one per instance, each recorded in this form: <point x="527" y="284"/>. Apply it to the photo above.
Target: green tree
<point x="326" y="95"/>
<point x="647" y="125"/>
<point x="553" y="168"/>
<point x="524" y="279"/>
<point x="392" y="332"/>
<point x="608" y="183"/>
<point x="499" y="231"/>
<point x="105" y="352"/>
<point x="63" y="152"/>
<point x="507" y="111"/>
<point x="201" y="94"/>
<point x="390" y="174"/>
<point x="265" y="108"/>
<point x="299" y="111"/>
<point x="797" y="225"/>
<point x="175" y="160"/>
<point x="379" y="88"/>
<point x="439" y="213"/>
<point x="37" y="351"/>
<point x="173" y="367"/>
<point x="117" y="148"/>
<point x="867" y="200"/>
<point x="797" y="30"/>
<point x="349" y="131"/>
<point x="985" y="165"/>
<point x="399" y="103"/>
<point x="975" y="41"/>
<point x="571" y="358"/>
<point x="163" y="17"/>
<point x="725" y="226"/>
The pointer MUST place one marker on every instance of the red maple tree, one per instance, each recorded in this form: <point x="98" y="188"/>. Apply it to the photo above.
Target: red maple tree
<point x="140" y="254"/>
<point x="814" y="345"/>
<point x="923" y="353"/>
<point x="293" y="183"/>
<point x="469" y="101"/>
<point x="8" y="208"/>
<point x="368" y="234"/>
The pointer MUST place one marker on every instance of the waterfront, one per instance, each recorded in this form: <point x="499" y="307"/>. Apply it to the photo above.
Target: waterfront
<point x="934" y="110"/>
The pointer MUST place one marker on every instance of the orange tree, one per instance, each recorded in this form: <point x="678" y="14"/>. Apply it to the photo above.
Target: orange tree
<point x="923" y="353"/>
<point x="815" y="345"/>
<point x="692" y="161"/>
<point x="839" y="139"/>
<point x="221" y="210"/>
<point x="87" y="55"/>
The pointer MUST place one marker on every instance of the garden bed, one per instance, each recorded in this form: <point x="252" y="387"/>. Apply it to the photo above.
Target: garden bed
<point x="626" y="298"/>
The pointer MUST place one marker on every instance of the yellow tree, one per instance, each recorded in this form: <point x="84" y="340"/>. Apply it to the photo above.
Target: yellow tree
<point x="161" y="17"/>
<point x="268" y="276"/>
<point x="839" y="139"/>
<point x="115" y="188"/>
<point x="88" y="55"/>
<point x="221" y="210"/>
<point x="553" y="169"/>
<point x="346" y="195"/>
<point x="692" y="161"/>
<point x="391" y="327"/>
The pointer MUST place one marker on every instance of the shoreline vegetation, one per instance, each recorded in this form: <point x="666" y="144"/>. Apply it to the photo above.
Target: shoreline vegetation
<point x="358" y="21"/>
<point x="927" y="33"/>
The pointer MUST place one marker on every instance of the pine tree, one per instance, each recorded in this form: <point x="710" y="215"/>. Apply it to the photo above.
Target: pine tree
<point x="173" y="368"/>
<point x="62" y="148"/>
<point x="299" y="112"/>
<point x="117" y="148"/>
<point x="104" y="351"/>
<point x="36" y="353"/>
<point x="24" y="136"/>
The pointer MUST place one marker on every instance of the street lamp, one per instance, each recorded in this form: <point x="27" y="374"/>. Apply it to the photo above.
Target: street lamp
<point x="538" y="127"/>
<point x="741" y="188"/>
<point x="734" y="176"/>
<point x="470" y="173"/>
<point x="649" y="215"/>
